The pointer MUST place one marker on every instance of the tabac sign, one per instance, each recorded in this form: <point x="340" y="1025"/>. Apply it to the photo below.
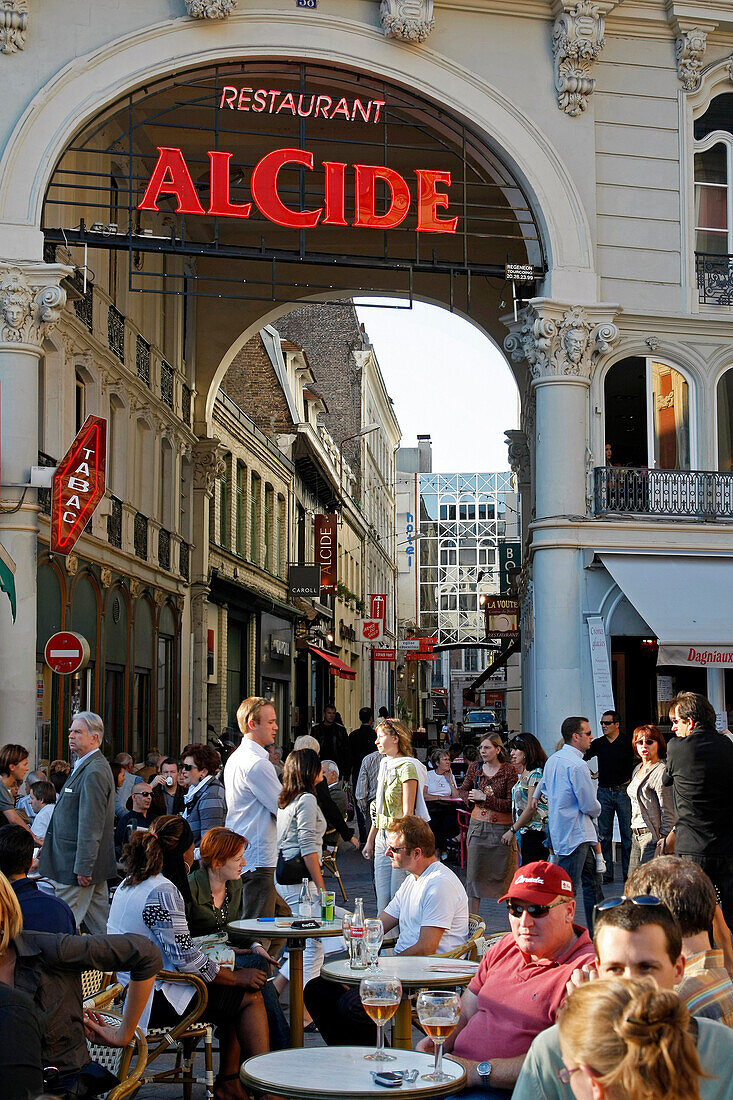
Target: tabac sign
<point x="78" y="485"/>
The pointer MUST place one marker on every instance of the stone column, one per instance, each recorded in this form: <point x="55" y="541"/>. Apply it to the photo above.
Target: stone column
<point x="207" y="467"/>
<point x="562" y="345"/>
<point x="31" y="300"/>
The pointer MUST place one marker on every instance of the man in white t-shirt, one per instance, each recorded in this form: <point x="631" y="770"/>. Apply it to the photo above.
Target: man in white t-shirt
<point x="431" y="909"/>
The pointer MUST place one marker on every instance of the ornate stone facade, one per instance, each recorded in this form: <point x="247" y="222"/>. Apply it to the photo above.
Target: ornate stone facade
<point x="13" y="25"/>
<point x="519" y="456"/>
<point x="689" y="53"/>
<point x="207" y="466"/>
<point x="410" y="20"/>
<point x="577" y="40"/>
<point x="28" y="306"/>
<point x="561" y="341"/>
<point x="210" y="9"/>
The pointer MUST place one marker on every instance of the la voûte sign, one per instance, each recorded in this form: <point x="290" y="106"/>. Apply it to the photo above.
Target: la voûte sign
<point x="78" y="484"/>
<point x="171" y="176"/>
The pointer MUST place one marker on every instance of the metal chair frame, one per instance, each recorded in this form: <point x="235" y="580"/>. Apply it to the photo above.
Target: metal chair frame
<point x="129" y="1081"/>
<point x="329" y="864"/>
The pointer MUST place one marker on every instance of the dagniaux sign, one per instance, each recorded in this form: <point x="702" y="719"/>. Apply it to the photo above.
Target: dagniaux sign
<point x="704" y="656"/>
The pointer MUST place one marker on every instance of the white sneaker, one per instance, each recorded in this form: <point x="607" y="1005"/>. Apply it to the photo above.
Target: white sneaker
<point x="600" y="864"/>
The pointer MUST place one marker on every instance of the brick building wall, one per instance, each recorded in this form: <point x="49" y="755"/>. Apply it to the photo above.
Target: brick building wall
<point x="252" y="383"/>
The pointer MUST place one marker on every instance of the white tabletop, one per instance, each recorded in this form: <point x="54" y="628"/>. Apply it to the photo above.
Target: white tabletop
<point x="282" y="928"/>
<point x="342" y="1072"/>
<point x="425" y="971"/>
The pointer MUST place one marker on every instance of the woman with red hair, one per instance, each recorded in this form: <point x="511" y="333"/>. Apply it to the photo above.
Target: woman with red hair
<point x="652" y="809"/>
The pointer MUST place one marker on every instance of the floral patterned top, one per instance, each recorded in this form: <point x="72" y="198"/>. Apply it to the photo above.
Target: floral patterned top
<point x="519" y="801"/>
<point x="498" y="787"/>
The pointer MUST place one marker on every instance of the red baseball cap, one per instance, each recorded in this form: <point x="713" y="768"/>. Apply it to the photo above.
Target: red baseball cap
<point x="539" y="883"/>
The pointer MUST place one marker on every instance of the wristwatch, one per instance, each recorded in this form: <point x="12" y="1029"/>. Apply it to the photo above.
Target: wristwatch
<point x="484" y="1071"/>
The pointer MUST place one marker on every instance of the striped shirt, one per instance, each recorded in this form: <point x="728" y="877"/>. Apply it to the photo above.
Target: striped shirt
<point x="706" y="987"/>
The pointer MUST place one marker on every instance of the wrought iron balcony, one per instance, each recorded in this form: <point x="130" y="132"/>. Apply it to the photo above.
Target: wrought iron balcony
<point x="684" y="494"/>
<point x="141" y="536"/>
<point x="114" y="523"/>
<point x="186" y="405"/>
<point x="164" y="548"/>
<point x="116" y="332"/>
<point x="714" y="278"/>
<point x="183" y="559"/>
<point x="142" y="359"/>
<point x="166" y="383"/>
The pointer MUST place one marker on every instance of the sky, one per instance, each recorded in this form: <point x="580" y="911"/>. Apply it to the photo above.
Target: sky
<point x="446" y="380"/>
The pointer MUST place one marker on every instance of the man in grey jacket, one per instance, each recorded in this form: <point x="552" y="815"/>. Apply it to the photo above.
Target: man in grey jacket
<point x="78" y="853"/>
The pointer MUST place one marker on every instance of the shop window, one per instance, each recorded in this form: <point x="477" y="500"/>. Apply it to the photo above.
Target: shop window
<point x="114" y="708"/>
<point x="647" y="415"/>
<point x="164" y="694"/>
<point x="725" y="421"/>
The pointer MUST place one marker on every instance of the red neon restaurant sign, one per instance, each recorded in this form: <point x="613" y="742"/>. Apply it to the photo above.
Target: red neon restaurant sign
<point x="78" y="484"/>
<point x="172" y="177"/>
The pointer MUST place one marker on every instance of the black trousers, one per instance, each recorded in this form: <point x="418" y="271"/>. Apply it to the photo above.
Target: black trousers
<point x="338" y="1014"/>
<point x="719" y="870"/>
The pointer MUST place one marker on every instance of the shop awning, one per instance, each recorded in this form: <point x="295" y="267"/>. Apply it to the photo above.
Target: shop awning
<point x="337" y="666"/>
<point x="686" y="601"/>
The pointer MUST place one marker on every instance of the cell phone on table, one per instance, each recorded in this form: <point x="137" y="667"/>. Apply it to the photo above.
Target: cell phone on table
<point x="387" y="1080"/>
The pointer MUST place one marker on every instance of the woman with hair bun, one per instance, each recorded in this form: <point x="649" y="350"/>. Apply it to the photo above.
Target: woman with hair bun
<point x="626" y="1039"/>
<point x="151" y="902"/>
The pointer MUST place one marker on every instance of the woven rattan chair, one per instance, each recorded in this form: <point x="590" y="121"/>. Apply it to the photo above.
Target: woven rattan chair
<point x="183" y="1040"/>
<point x="127" y="1063"/>
<point x="467" y="950"/>
<point x="98" y="989"/>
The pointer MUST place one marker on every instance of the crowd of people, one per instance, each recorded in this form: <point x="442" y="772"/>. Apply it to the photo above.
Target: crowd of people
<point x="625" y="997"/>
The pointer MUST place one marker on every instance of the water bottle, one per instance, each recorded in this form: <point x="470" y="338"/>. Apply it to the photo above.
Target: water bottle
<point x="305" y="910"/>
<point x="357" y="946"/>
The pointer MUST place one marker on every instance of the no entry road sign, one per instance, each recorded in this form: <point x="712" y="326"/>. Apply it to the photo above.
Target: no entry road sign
<point x="66" y="652"/>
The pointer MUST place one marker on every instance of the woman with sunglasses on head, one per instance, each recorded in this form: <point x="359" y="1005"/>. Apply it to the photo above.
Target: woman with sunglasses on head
<point x="626" y="1039"/>
<point x="488" y="790"/>
<point x="529" y="824"/>
<point x="205" y="800"/>
<point x="652" y="808"/>
<point x="400" y="784"/>
<point x="151" y="902"/>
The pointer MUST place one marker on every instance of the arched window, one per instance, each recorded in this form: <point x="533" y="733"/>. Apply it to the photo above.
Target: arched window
<point x="725" y="421"/>
<point x="713" y="175"/>
<point x="647" y="415"/>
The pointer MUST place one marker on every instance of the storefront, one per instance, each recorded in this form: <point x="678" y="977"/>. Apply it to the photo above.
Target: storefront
<point x="276" y="654"/>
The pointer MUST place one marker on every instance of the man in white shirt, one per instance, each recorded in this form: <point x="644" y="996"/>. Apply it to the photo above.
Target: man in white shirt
<point x="431" y="909"/>
<point x="572" y="809"/>
<point x="252" y="790"/>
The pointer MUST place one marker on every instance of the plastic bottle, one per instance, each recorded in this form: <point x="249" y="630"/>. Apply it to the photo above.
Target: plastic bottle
<point x="357" y="949"/>
<point x="305" y="908"/>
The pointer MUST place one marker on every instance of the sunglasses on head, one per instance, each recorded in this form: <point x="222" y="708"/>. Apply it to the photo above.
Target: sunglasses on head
<point x="516" y="908"/>
<point x="640" y="899"/>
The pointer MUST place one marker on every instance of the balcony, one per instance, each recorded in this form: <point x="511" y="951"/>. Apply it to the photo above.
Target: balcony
<point x="714" y="278"/>
<point x="164" y="548"/>
<point x="183" y="560"/>
<point x="166" y="383"/>
<point x="679" y="494"/>
<point x="116" y="333"/>
<point x="114" y="522"/>
<point x="141" y="536"/>
<point x="142" y="360"/>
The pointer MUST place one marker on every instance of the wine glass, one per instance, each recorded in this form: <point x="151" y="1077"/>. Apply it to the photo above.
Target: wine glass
<point x="381" y="998"/>
<point x="346" y="930"/>
<point x="373" y="936"/>
<point x="438" y="1012"/>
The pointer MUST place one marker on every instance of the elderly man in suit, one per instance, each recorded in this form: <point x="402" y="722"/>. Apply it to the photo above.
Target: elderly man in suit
<point x="78" y="854"/>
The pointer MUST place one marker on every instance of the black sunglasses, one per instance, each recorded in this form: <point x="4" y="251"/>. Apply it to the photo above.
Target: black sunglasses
<point x="613" y="903"/>
<point x="516" y="908"/>
<point x="187" y="767"/>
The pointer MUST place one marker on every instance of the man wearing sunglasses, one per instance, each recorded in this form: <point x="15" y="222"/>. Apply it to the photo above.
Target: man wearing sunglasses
<point x="635" y="937"/>
<point x="520" y="984"/>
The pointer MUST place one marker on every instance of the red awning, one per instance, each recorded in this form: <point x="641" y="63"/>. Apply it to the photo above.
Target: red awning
<point x="337" y="666"/>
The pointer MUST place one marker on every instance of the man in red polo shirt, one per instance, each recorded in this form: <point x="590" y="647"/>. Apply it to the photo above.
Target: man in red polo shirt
<point x="520" y="983"/>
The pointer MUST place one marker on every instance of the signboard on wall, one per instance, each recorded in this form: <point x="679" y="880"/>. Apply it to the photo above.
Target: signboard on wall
<point x="305" y="581"/>
<point x="371" y="630"/>
<point x="326" y="552"/>
<point x="502" y="617"/>
<point x="378" y="606"/>
<point x="704" y="656"/>
<point x="601" y="666"/>
<point x="78" y="485"/>
<point x="510" y="555"/>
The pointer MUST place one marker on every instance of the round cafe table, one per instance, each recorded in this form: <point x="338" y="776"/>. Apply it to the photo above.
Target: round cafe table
<point x="415" y="972"/>
<point x="282" y="929"/>
<point x="341" y="1073"/>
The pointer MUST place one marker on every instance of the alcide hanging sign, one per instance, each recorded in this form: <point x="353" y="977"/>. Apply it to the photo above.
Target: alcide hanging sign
<point x="78" y="485"/>
<point x="326" y="540"/>
<point x="171" y="176"/>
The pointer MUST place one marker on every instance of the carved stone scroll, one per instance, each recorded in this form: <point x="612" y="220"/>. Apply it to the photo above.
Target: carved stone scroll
<point x="577" y="40"/>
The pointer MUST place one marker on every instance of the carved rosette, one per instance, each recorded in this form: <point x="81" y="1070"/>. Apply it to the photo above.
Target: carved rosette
<point x="408" y="20"/>
<point x="13" y="25"/>
<point x="207" y="466"/>
<point x="210" y="9"/>
<point x="561" y="342"/>
<point x="689" y="52"/>
<point x="577" y="40"/>
<point x="29" y="307"/>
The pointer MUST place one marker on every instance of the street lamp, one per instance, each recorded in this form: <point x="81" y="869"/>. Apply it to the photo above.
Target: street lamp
<point x="357" y="435"/>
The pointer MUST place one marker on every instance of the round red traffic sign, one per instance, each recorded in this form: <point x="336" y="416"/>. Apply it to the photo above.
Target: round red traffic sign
<point x="66" y="652"/>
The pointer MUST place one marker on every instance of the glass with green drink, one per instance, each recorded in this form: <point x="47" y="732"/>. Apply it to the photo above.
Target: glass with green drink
<point x="328" y="904"/>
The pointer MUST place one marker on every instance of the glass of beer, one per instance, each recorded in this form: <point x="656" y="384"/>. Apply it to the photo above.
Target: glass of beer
<point x="438" y="1011"/>
<point x="381" y="998"/>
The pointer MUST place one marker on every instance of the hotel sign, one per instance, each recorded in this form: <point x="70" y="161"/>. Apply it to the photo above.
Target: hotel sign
<point x="78" y="485"/>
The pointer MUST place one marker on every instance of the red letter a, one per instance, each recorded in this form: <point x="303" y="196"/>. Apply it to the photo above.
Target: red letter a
<point x="171" y="163"/>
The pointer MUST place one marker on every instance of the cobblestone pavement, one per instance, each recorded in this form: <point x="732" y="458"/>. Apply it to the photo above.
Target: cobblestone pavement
<point x="357" y="876"/>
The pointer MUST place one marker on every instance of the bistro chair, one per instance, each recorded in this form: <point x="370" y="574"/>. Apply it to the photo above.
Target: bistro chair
<point x="183" y="1040"/>
<point x="98" y="989"/>
<point x="329" y="864"/>
<point x="483" y="943"/>
<point x="467" y="950"/>
<point x="127" y="1063"/>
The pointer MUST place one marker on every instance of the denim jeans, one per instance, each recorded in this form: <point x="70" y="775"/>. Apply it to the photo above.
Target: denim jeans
<point x="387" y="879"/>
<point x="581" y="867"/>
<point x="618" y="803"/>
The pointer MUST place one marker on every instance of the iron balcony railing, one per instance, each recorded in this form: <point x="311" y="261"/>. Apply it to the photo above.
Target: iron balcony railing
<point x="186" y="405"/>
<point x="183" y="559"/>
<point x="141" y="536"/>
<point x="114" y="522"/>
<point x="142" y="359"/>
<point x="116" y="332"/>
<point x="714" y="278"/>
<point x="166" y="383"/>
<point x="164" y="548"/>
<point x="684" y="494"/>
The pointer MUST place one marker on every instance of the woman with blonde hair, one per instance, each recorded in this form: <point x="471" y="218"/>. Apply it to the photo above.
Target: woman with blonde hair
<point x="400" y="785"/>
<point x="488" y="790"/>
<point x="626" y="1039"/>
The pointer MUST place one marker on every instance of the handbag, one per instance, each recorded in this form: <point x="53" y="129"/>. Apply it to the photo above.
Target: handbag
<point x="289" y="872"/>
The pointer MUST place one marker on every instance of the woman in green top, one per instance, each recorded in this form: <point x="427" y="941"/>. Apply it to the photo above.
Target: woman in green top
<point x="216" y="899"/>
<point x="399" y="792"/>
